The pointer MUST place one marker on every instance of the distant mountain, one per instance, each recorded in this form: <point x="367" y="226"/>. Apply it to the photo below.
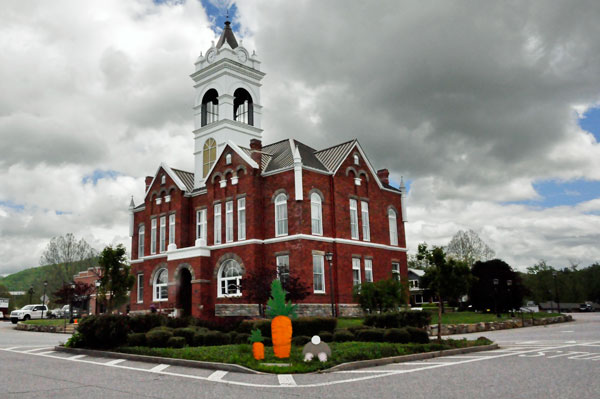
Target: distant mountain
<point x="35" y="276"/>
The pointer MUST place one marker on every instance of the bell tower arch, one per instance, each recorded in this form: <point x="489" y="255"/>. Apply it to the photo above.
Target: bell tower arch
<point x="227" y="106"/>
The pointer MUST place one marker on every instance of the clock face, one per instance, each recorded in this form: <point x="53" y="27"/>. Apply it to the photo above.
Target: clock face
<point x="242" y="56"/>
<point x="210" y="56"/>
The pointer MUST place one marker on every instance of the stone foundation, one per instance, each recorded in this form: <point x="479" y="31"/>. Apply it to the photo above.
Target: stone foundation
<point x="350" y="310"/>
<point x="450" y="329"/>
<point x="40" y="328"/>
<point x="222" y="309"/>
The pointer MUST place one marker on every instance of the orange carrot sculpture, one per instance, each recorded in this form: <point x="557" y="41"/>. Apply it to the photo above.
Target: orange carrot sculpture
<point x="281" y="325"/>
<point x="258" y="348"/>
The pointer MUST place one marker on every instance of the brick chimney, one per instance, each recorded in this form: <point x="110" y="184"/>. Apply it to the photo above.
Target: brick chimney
<point x="256" y="147"/>
<point x="148" y="181"/>
<point x="384" y="175"/>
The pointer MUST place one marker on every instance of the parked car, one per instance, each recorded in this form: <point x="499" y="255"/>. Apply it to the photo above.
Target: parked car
<point x="29" y="312"/>
<point x="585" y="307"/>
<point x="65" y="312"/>
<point x="55" y="313"/>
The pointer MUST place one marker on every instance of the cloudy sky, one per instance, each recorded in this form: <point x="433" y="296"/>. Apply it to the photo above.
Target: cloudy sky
<point x="489" y="110"/>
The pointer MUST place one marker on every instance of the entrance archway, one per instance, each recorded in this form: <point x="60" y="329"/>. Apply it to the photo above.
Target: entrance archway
<point x="185" y="292"/>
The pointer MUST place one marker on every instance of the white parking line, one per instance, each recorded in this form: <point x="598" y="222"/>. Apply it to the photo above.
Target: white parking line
<point x="114" y="362"/>
<point x="75" y="357"/>
<point x="217" y="375"/>
<point x="36" y="349"/>
<point x="286" y="380"/>
<point x="46" y="353"/>
<point x="159" y="368"/>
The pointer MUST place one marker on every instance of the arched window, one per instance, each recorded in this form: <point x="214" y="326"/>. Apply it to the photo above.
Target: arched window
<point x="209" y="155"/>
<point x="316" y="214"/>
<point x="141" y="238"/>
<point x="281" y="218"/>
<point x="210" y="107"/>
<point x="230" y="277"/>
<point x="243" y="108"/>
<point x="356" y="159"/>
<point x="393" y="227"/>
<point x="228" y="159"/>
<point x="161" y="292"/>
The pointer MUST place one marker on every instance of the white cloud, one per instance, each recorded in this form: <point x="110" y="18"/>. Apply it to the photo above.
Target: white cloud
<point x="471" y="102"/>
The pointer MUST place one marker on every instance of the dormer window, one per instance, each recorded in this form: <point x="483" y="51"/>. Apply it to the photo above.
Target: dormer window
<point x="356" y="159"/>
<point x="228" y="159"/>
<point x="210" y="107"/>
<point x="243" y="108"/>
<point x="163" y="180"/>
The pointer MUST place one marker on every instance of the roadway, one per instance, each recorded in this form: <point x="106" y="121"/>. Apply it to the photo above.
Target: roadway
<point x="556" y="361"/>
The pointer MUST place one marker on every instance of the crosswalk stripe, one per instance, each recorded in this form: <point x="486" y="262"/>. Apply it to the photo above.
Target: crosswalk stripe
<point x="217" y="375"/>
<point x="158" y="368"/>
<point x="76" y="357"/>
<point x="114" y="362"/>
<point x="36" y="349"/>
<point x="286" y="380"/>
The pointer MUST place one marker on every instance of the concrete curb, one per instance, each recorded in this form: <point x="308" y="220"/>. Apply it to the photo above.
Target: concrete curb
<point x="407" y="358"/>
<point x="160" y="360"/>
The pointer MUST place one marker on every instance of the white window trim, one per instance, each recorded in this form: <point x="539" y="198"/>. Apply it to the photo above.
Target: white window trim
<point x="217" y="238"/>
<point x="364" y="214"/>
<point x="396" y="270"/>
<point x="356" y="267"/>
<point x="140" y="286"/>
<point x="315" y="200"/>
<point x="322" y="264"/>
<point x="155" y="298"/>
<point x="369" y="268"/>
<point x="141" y="238"/>
<point x="229" y="221"/>
<point x="354" y="217"/>
<point x="201" y="223"/>
<point x="281" y="203"/>
<point x="279" y="262"/>
<point x="241" y="204"/>
<point x="172" y="228"/>
<point x="220" y="279"/>
<point x="153" y="224"/>
<point x="162" y="234"/>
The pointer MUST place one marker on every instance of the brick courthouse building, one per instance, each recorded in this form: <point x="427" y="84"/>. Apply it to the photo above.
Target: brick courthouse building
<point x="284" y="205"/>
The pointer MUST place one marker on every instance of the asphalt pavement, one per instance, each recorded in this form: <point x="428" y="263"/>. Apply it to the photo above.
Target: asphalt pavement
<point x="555" y="361"/>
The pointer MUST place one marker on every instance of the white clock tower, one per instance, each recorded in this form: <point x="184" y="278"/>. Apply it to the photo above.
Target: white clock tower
<point x="227" y="103"/>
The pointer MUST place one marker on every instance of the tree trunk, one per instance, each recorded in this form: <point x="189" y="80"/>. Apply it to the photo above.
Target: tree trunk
<point x="439" y="332"/>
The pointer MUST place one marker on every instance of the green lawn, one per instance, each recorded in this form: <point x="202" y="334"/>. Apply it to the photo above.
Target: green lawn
<point x="473" y="317"/>
<point x="342" y="352"/>
<point x="46" y="322"/>
<point x="348" y="322"/>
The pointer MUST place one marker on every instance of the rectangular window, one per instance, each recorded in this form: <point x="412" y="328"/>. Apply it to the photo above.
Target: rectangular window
<point x="153" y="237"/>
<point x="356" y="271"/>
<point x="369" y="270"/>
<point x="281" y="218"/>
<point x="229" y="221"/>
<point x="241" y="203"/>
<point x="316" y="214"/>
<point x="201" y="224"/>
<point x="217" y="223"/>
<point x="283" y="267"/>
<point x="396" y="270"/>
<point x="393" y="227"/>
<point x="364" y="209"/>
<point x="353" y="220"/>
<point x="141" y="237"/>
<point x="413" y="284"/>
<point x="140" y="288"/>
<point x="318" y="274"/>
<point x="172" y="229"/>
<point x="163" y="232"/>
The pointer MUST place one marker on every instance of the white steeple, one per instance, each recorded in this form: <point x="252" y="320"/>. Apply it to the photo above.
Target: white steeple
<point x="227" y="103"/>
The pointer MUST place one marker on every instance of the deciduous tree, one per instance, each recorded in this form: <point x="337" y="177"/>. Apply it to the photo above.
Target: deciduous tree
<point x="466" y="246"/>
<point x="116" y="281"/>
<point x="66" y="251"/>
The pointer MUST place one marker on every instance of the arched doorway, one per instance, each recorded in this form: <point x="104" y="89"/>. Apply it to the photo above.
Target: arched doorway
<point x="185" y="292"/>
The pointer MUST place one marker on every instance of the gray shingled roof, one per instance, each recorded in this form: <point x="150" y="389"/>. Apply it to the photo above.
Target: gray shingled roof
<point x="186" y="177"/>
<point x="332" y="157"/>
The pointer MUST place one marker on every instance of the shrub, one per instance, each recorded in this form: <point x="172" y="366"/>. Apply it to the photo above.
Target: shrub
<point x="180" y="322"/>
<point x="104" y="331"/>
<point x="224" y="324"/>
<point x="76" y="341"/>
<point x="371" y="335"/>
<point x="199" y="338"/>
<point x="418" y="335"/>
<point x="136" y="339"/>
<point x="267" y="341"/>
<point x="212" y="338"/>
<point x="158" y="338"/>
<point x="398" y="319"/>
<point x="343" y="336"/>
<point x="146" y="322"/>
<point x="310" y="326"/>
<point x="241" y="338"/>
<point x="381" y="296"/>
<point x="187" y="333"/>
<point x="417" y="319"/>
<point x="300" y="340"/>
<point x="396" y="335"/>
<point x="176" y="342"/>
<point x="355" y="329"/>
<point x="232" y="335"/>
<point x="326" y="336"/>
<point x="263" y="325"/>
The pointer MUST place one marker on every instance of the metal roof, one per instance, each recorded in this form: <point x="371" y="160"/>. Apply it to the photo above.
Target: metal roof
<point x="186" y="177"/>
<point x="227" y="36"/>
<point x="332" y="157"/>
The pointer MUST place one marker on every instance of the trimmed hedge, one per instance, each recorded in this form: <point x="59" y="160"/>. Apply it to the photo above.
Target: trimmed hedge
<point x="397" y="335"/>
<point x="146" y="322"/>
<point x="176" y="342"/>
<point x="158" y="338"/>
<point x="418" y="335"/>
<point x="417" y="319"/>
<point x="213" y="338"/>
<point x="326" y="336"/>
<point x="104" y="331"/>
<point x="300" y="340"/>
<point x="136" y="339"/>
<point x="371" y="335"/>
<point x="343" y="336"/>
<point x="310" y="326"/>
<point x="187" y="333"/>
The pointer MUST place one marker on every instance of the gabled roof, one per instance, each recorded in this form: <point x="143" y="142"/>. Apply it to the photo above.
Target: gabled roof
<point x="281" y="156"/>
<point x="186" y="177"/>
<point x="227" y="37"/>
<point x="175" y="177"/>
<point x="332" y="157"/>
<point x="417" y="272"/>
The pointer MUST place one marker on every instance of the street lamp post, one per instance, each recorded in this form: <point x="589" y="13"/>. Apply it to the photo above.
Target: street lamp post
<point x="329" y="257"/>
<point x="71" y="303"/>
<point x="31" y="291"/>
<point x="496" y="282"/>
<point x="508" y="285"/>
<point x="555" y="275"/>
<point x="96" y="302"/>
<point x="44" y="297"/>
